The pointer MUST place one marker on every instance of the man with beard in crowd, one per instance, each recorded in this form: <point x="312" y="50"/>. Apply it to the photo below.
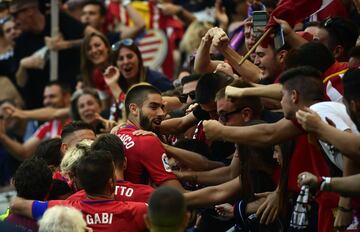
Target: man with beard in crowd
<point x="146" y="157"/>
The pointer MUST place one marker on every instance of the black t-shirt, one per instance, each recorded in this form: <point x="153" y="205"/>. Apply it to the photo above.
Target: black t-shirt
<point x="200" y="114"/>
<point x="113" y="37"/>
<point x="7" y="67"/>
<point x="69" y="59"/>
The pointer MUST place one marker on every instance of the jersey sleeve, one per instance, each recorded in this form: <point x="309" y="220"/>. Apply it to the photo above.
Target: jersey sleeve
<point x="155" y="160"/>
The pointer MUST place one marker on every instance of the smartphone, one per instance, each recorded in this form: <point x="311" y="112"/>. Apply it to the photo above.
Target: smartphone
<point x="279" y="40"/>
<point x="260" y="19"/>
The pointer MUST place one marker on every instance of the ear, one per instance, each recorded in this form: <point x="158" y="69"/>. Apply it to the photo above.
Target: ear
<point x="338" y="51"/>
<point x="147" y="221"/>
<point x="294" y="97"/>
<point x="247" y="114"/>
<point x="281" y="56"/>
<point x="134" y="109"/>
<point x="63" y="148"/>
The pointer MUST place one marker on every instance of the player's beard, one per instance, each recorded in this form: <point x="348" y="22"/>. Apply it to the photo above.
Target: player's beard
<point x="145" y="123"/>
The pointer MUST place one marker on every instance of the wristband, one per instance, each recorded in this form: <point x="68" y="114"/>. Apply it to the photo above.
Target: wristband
<point x="38" y="209"/>
<point x="325" y="184"/>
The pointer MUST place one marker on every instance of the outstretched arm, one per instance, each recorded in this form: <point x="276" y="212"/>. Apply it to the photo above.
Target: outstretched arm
<point x="215" y="176"/>
<point x="178" y="125"/>
<point x="269" y="91"/>
<point x="257" y="135"/>
<point x="346" y="186"/>
<point x="41" y="114"/>
<point x="191" y="159"/>
<point x="214" y="195"/>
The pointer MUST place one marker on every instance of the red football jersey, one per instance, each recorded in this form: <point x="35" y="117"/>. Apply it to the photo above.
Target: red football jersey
<point x="146" y="158"/>
<point x="124" y="191"/>
<point x="106" y="215"/>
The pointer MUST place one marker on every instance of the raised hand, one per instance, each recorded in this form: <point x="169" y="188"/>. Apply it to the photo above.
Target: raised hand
<point x="111" y="75"/>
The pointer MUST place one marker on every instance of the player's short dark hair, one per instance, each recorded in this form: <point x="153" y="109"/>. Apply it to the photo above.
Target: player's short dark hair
<point x="190" y="78"/>
<point x="208" y="86"/>
<point x="70" y="128"/>
<point x="167" y="207"/>
<point x="314" y="54"/>
<point x="98" y="3"/>
<point x="112" y="144"/>
<point x="65" y="88"/>
<point x="49" y="151"/>
<point x="33" y="179"/>
<point x="138" y="94"/>
<point x="351" y="81"/>
<point x="94" y="170"/>
<point x="306" y="81"/>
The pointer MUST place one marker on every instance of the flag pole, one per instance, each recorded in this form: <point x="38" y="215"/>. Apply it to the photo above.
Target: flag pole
<point x="252" y="49"/>
<point x="54" y="32"/>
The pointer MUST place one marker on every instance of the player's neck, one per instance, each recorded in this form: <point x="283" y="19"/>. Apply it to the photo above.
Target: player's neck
<point x="131" y="121"/>
<point x="119" y="174"/>
<point x="103" y="196"/>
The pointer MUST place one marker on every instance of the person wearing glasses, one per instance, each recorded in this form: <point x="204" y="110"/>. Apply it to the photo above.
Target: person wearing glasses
<point x="189" y="84"/>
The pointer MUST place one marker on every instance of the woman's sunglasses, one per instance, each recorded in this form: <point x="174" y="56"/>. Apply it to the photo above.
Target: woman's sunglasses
<point x="125" y="42"/>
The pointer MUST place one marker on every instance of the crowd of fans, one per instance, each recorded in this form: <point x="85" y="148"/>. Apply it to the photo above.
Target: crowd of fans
<point x="180" y="116"/>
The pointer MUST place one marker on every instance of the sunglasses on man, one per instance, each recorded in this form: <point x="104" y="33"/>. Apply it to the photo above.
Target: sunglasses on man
<point x="183" y="97"/>
<point x="224" y="117"/>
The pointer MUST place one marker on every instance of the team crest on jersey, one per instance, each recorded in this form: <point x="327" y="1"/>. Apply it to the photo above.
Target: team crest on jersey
<point x="165" y="162"/>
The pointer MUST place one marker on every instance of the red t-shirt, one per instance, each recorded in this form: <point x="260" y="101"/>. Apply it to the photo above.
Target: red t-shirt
<point x="307" y="156"/>
<point x="50" y="129"/>
<point x="109" y="215"/>
<point x="124" y="191"/>
<point x="146" y="158"/>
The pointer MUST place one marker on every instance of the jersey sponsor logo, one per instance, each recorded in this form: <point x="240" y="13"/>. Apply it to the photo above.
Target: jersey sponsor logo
<point x="99" y="218"/>
<point x="124" y="191"/>
<point x="165" y="162"/>
<point x="127" y="141"/>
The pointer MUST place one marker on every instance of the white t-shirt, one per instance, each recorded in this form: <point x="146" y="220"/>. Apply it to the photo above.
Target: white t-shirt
<point x="336" y="112"/>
